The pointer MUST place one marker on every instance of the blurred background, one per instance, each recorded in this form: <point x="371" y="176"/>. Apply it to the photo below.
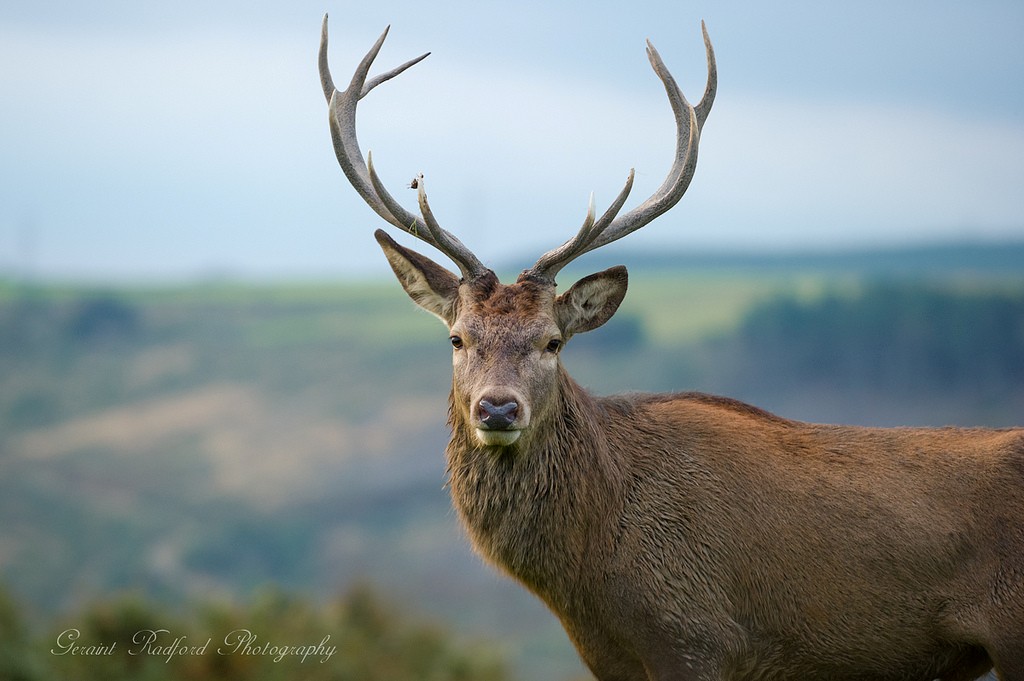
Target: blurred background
<point x="217" y="408"/>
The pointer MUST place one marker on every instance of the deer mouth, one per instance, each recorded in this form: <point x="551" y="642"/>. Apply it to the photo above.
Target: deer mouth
<point x="497" y="438"/>
<point x="499" y="422"/>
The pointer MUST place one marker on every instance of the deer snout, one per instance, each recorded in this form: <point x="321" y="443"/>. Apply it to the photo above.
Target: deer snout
<point x="497" y="417"/>
<point x="500" y="417"/>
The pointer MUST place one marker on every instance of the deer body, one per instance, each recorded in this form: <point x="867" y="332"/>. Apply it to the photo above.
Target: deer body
<point x="713" y="538"/>
<point x="685" y="536"/>
<point x="728" y="537"/>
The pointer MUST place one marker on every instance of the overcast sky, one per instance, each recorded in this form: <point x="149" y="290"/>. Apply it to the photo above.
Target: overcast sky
<point x="174" y="140"/>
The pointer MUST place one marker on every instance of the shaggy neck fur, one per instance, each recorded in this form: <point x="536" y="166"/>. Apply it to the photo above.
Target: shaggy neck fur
<point x="533" y="508"/>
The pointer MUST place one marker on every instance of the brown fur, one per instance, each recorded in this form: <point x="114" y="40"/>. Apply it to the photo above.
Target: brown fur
<point x="695" y="537"/>
<point x="703" y="533"/>
<point x="688" y="536"/>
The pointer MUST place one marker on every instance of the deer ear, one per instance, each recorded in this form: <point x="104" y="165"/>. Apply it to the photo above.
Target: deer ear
<point x="431" y="286"/>
<point x="591" y="301"/>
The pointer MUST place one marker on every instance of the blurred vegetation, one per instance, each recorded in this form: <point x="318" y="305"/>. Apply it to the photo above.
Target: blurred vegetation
<point x="187" y="441"/>
<point x="275" y="637"/>
<point x="910" y="338"/>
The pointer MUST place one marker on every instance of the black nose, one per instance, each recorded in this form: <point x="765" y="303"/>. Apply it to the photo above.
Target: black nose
<point x="498" y="417"/>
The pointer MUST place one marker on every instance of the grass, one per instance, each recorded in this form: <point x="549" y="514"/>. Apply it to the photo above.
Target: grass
<point x="675" y="308"/>
<point x="326" y="431"/>
<point x="678" y="309"/>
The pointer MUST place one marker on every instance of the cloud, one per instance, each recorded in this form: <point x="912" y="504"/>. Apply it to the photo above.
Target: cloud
<point x="859" y="171"/>
<point x="206" y="146"/>
<point x="782" y="171"/>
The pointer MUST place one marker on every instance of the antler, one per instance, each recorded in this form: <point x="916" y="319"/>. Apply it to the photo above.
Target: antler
<point x="608" y="228"/>
<point x="342" y="107"/>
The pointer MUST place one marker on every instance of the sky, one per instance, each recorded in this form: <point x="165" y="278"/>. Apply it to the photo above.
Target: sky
<point x="173" y="141"/>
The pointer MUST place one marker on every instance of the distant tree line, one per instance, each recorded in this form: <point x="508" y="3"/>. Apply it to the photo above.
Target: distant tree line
<point x="36" y="321"/>
<point x="898" y="337"/>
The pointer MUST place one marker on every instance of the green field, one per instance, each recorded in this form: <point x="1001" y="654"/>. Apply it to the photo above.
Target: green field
<point x="205" y="441"/>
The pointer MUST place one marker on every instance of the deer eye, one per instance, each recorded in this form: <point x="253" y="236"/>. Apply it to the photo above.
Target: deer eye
<point x="554" y="345"/>
<point x="456" y="342"/>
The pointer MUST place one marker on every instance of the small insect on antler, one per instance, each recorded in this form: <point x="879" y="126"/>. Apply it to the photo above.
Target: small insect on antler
<point x="342" y="107"/>
<point x="597" y="232"/>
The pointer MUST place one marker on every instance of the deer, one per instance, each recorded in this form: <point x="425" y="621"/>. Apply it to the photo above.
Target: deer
<point x="687" y="536"/>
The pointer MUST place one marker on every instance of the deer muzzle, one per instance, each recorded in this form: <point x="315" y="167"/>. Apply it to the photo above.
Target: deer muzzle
<point x="499" y="420"/>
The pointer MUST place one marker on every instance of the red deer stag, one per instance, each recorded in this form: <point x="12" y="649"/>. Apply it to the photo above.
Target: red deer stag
<point x="685" y="536"/>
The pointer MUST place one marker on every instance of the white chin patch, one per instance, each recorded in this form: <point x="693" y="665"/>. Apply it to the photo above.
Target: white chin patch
<point x="497" y="438"/>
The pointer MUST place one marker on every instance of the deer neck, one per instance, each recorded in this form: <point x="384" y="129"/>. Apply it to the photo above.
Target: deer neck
<point x="535" y="508"/>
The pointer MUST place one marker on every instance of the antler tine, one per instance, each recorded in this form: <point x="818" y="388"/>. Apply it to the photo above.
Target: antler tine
<point x="689" y="121"/>
<point x="342" y="114"/>
<point x="552" y="262"/>
<point x="445" y="241"/>
<point x="428" y="229"/>
<point x="703" y="107"/>
<point x="326" y="82"/>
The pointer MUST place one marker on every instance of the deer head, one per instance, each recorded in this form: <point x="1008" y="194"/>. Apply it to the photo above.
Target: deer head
<point x="506" y="339"/>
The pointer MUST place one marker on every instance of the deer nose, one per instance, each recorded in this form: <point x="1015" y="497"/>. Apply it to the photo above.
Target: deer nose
<point x="498" y="417"/>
